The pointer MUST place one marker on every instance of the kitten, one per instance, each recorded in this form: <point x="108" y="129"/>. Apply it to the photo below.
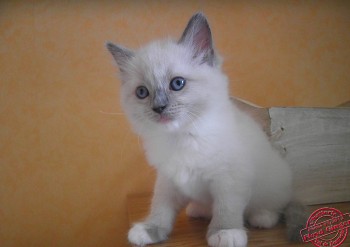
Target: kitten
<point x="208" y="154"/>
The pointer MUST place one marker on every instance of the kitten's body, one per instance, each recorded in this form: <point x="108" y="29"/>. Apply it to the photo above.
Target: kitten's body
<point x="205" y="150"/>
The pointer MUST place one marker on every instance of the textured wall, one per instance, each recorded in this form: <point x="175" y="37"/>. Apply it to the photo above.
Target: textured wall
<point x="65" y="166"/>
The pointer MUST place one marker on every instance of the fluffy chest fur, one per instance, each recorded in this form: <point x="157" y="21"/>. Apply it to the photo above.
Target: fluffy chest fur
<point x="192" y="158"/>
<point x="183" y="160"/>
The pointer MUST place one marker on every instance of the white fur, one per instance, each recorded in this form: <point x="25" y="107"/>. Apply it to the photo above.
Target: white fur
<point x="222" y="140"/>
<point x="228" y="238"/>
<point x="139" y="236"/>
<point x="263" y="218"/>
<point x="222" y="143"/>
<point x="196" y="210"/>
<point x="210" y="152"/>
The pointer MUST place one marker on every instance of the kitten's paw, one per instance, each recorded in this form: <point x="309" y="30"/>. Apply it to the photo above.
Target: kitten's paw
<point x="142" y="234"/>
<point x="228" y="238"/>
<point x="195" y="210"/>
<point x="263" y="219"/>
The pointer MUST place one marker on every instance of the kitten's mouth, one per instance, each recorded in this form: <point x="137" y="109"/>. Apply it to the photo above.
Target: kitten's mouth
<point x="163" y="119"/>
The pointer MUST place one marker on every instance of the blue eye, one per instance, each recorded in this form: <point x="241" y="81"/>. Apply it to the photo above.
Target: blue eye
<point x="141" y="92"/>
<point x="177" y="83"/>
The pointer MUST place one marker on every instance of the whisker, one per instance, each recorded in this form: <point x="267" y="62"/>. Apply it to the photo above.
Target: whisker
<point x="192" y="116"/>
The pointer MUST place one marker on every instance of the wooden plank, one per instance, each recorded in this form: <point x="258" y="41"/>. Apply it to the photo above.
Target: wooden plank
<point x="191" y="232"/>
<point x="316" y="143"/>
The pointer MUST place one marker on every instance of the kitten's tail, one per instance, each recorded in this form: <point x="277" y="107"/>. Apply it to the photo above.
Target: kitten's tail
<point x="295" y="215"/>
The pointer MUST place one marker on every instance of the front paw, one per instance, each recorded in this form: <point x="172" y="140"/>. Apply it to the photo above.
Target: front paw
<point x="142" y="234"/>
<point x="228" y="238"/>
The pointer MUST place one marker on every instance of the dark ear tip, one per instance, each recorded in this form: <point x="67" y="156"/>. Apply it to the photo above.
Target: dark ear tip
<point x="199" y="16"/>
<point x="109" y="45"/>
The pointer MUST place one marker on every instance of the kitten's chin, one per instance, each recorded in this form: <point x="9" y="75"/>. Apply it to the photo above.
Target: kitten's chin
<point x="172" y="126"/>
<point x="166" y="123"/>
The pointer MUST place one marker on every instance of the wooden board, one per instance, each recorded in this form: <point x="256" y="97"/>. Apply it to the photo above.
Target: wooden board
<point x="316" y="143"/>
<point x="191" y="232"/>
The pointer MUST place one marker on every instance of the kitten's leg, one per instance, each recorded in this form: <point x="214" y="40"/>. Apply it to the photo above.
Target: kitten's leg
<point x="165" y="205"/>
<point x="226" y="227"/>
<point x="197" y="210"/>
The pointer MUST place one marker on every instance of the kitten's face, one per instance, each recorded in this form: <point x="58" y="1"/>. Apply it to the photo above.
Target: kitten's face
<point x="169" y="84"/>
<point x="163" y="86"/>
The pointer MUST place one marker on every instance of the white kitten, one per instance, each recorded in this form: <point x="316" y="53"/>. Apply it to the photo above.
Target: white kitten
<point x="206" y="152"/>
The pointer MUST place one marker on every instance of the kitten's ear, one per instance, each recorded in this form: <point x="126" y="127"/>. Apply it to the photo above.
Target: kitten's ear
<point x="120" y="54"/>
<point x="197" y="35"/>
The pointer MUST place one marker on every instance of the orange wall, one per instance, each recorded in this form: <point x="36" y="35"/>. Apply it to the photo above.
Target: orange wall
<point x="65" y="166"/>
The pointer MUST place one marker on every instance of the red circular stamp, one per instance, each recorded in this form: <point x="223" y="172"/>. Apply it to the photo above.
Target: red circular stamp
<point x="326" y="227"/>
